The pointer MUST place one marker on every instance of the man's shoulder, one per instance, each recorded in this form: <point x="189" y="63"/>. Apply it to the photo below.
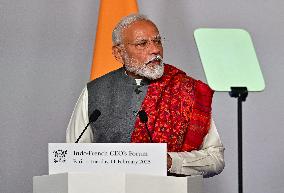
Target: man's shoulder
<point x="200" y="86"/>
<point x="106" y="78"/>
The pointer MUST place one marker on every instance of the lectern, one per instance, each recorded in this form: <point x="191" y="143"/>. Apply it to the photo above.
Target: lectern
<point x="111" y="168"/>
<point x="115" y="183"/>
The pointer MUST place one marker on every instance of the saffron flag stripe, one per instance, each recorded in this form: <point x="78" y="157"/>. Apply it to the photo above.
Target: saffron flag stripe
<point x="110" y="13"/>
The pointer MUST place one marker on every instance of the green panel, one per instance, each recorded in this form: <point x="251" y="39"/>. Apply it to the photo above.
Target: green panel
<point x="229" y="59"/>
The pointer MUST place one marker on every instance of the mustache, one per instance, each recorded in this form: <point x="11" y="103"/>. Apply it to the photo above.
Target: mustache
<point x="155" y="58"/>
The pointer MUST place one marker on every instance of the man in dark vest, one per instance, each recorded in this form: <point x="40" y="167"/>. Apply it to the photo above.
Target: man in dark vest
<point x="178" y="107"/>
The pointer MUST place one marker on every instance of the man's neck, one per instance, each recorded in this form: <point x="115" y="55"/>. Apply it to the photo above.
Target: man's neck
<point x="131" y="74"/>
<point x="140" y="80"/>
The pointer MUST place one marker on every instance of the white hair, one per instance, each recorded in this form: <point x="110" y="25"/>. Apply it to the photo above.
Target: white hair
<point x="124" y="23"/>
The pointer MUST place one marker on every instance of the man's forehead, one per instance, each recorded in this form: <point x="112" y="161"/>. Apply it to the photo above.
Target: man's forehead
<point x="140" y="30"/>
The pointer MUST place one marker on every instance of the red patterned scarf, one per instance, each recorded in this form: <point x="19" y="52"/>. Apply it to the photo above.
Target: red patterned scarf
<point x="178" y="109"/>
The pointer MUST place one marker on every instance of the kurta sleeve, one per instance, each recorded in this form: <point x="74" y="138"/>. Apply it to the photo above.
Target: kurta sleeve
<point x="79" y="120"/>
<point x="207" y="161"/>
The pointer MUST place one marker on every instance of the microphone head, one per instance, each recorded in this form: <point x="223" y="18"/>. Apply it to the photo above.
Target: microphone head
<point x="143" y="116"/>
<point x="94" y="116"/>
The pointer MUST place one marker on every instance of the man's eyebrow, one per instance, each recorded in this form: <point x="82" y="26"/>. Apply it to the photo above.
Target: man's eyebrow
<point x="140" y="39"/>
<point x="145" y="39"/>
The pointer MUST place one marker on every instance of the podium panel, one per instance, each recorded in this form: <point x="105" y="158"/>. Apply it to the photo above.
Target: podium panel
<point x="115" y="183"/>
<point x="163" y="184"/>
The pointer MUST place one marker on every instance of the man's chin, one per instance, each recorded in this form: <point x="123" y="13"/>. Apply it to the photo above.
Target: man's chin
<point x="151" y="71"/>
<point x="154" y="77"/>
<point x="152" y="74"/>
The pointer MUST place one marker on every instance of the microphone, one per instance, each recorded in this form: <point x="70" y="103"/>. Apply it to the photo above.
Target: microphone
<point x="144" y="119"/>
<point x="94" y="116"/>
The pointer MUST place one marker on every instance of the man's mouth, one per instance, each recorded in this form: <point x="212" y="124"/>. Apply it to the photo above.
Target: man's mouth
<point x="155" y="60"/>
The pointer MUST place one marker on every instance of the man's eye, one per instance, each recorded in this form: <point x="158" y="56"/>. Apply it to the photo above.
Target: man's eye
<point x="157" y="41"/>
<point x="141" y="44"/>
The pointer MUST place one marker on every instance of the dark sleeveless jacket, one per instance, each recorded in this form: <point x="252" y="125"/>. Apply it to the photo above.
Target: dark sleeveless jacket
<point x="119" y="99"/>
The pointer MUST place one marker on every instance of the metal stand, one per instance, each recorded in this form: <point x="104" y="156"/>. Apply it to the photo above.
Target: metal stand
<point x="241" y="93"/>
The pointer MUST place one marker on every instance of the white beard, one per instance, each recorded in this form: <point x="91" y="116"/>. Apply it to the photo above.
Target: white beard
<point x="146" y="70"/>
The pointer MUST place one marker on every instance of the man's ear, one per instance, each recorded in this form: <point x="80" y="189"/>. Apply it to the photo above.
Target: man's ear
<point x="116" y="52"/>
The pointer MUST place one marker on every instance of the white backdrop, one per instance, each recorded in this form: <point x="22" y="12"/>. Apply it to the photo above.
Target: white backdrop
<point x="46" y="50"/>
